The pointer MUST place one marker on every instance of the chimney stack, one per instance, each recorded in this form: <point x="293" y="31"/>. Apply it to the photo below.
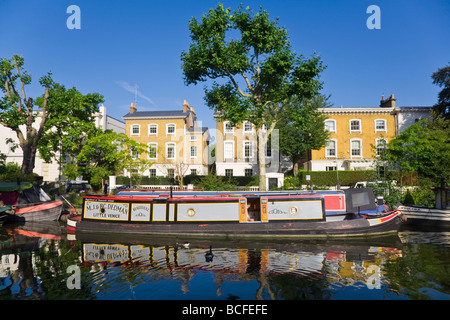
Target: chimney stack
<point x="388" y="103"/>
<point x="185" y="106"/>
<point x="133" y="108"/>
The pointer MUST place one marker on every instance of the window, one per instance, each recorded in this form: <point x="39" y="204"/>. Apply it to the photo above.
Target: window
<point x="170" y="128"/>
<point x="228" y="149"/>
<point x="193" y="138"/>
<point x="152" y="129"/>
<point x="193" y="152"/>
<point x="248" y="149"/>
<point x="193" y="171"/>
<point x="152" y="172"/>
<point x="228" y="128"/>
<point x="152" y="150"/>
<point x="330" y="125"/>
<point x="355" y="125"/>
<point x="135" y="129"/>
<point x="134" y="154"/>
<point x="355" y="148"/>
<point x="330" y="149"/>
<point x="380" y="144"/>
<point x="248" y="127"/>
<point x="171" y="173"/>
<point x="248" y="172"/>
<point x="229" y="172"/>
<point x="380" y="125"/>
<point x="170" y="150"/>
<point x="331" y="168"/>
<point x="268" y="147"/>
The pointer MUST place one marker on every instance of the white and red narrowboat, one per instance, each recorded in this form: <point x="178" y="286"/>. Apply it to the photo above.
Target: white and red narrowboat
<point x="233" y="214"/>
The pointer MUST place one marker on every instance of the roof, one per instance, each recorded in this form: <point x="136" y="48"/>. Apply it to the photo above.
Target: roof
<point x="156" y="114"/>
<point x="197" y="129"/>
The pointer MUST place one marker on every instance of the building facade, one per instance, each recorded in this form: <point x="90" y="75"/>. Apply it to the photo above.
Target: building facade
<point x="51" y="171"/>
<point x="176" y="141"/>
<point x="357" y="135"/>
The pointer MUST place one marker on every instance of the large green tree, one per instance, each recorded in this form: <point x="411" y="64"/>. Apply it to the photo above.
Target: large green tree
<point x="424" y="148"/>
<point x="302" y="128"/>
<point x="31" y="119"/>
<point x="254" y="68"/>
<point x="107" y="153"/>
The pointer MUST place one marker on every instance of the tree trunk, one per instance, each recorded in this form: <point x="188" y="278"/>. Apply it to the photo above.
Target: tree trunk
<point x="261" y="143"/>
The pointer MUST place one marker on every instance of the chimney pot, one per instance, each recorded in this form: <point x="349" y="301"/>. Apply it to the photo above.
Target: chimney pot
<point x="133" y="108"/>
<point x="185" y="106"/>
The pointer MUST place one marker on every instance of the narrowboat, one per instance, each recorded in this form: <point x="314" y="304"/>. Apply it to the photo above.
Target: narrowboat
<point x="438" y="217"/>
<point x="23" y="201"/>
<point x="231" y="214"/>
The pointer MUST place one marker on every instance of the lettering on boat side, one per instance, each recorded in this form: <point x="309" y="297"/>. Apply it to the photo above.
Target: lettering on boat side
<point x="106" y="211"/>
<point x="231" y="309"/>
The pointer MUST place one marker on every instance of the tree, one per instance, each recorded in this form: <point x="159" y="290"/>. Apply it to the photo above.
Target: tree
<point x="54" y="107"/>
<point x="423" y="148"/>
<point x="442" y="79"/>
<point x="107" y="153"/>
<point x="259" y="72"/>
<point x="302" y="129"/>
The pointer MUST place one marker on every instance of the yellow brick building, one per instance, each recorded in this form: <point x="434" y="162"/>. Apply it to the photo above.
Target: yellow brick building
<point x="174" y="138"/>
<point x="356" y="136"/>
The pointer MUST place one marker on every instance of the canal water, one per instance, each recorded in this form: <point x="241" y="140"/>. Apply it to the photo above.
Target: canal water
<point x="41" y="262"/>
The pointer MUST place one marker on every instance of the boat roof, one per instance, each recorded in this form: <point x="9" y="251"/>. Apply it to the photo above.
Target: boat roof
<point x="14" y="186"/>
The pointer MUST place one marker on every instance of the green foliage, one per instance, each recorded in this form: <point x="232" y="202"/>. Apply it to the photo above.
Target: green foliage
<point x="302" y="128"/>
<point x="423" y="148"/>
<point x="442" y="79"/>
<point x="105" y="154"/>
<point x="65" y="115"/>
<point x="259" y="72"/>
<point x="212" y="182"/>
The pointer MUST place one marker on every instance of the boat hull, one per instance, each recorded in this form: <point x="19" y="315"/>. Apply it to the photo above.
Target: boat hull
<point x="425" y="216"/>
<point x="45" y="211"/>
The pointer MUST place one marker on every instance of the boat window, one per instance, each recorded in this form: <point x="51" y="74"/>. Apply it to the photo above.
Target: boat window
<point x="253" y="209"/>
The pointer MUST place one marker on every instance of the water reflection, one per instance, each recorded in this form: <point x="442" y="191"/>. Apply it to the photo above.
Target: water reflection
<point x="35" y="260"/>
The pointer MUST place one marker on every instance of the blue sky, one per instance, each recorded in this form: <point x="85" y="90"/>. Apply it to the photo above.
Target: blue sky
<point x="123" y="43"/>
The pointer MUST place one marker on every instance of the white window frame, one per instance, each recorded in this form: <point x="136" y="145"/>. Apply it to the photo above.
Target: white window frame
<point x="150" y="171"/>
<point x="169" y="144"/>
<point x="377" y="141"/>
<point x="334" y="124"/>
<point x="193" y="138"/>
<point x="174" y="128"/>
<point x="250" y="143"/>
<point x="251" y="127"/>
<point x="335" y="149"/>
<point x="227" y="131"/>
<point x="150" y="126"/>
<point x="360" y="156"/>
<point x="190" y="152"/>
<point x="350" y="125"/>
<point x="228" y="142"/>
<point x="156" y="150"/>
<point x="385" y="125"/>
<point x="135" y="125"/>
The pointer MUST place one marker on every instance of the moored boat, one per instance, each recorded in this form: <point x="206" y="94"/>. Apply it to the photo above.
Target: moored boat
<point x="439" y="216"/>
<point x="28" y="203"/>
<point x="292" y="214"/>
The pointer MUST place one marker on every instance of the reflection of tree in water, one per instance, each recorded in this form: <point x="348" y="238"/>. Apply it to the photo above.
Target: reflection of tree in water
<point x="40" y="269"/>
<point x="422" y="267"/>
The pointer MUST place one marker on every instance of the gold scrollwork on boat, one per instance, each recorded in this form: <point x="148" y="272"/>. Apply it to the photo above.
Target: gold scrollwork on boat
<point x="190" y="212"/>
<point x="293" y="210"/>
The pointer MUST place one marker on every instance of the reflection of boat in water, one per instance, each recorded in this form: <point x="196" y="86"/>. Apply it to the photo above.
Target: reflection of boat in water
<point x="305" y="264"/>
<point x="285" y="214"/>
<point x="27" y="202"/>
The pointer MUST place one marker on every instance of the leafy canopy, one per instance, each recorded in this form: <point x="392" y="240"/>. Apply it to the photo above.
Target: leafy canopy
<point x="252" y="56"/>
